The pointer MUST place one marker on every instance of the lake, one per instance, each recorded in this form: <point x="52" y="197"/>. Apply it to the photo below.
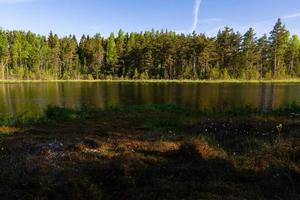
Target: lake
<point x="18" y="98"/>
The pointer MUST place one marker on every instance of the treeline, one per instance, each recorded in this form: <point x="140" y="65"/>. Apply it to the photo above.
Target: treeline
<point x="151" y="55"/>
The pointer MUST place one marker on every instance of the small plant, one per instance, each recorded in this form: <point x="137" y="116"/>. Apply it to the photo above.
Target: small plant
<point x="60" y="114"/>
<point x="157" y="124"/>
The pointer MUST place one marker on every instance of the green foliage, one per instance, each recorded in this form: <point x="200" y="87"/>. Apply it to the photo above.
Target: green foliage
<point x="144" y="75"/>
<point x="269" y="75"/>
<point x="111" y="51"/>
<point x="60" y="114"/>
<point x="292" y="55"/>
<point x="163" y="108"/>
<point x="214" y="74"/>
<point x="150" y="55"/>
<point x="225" y="75"/>
<point x="169" y="124"/>
<point x="279" y="43"/>
<point x="136" y="74"/>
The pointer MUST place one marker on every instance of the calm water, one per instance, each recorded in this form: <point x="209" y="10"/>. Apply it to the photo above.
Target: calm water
<point x="34" y="97"/>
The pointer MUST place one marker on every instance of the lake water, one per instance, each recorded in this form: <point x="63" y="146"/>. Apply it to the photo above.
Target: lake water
<point x="34" y="97"/>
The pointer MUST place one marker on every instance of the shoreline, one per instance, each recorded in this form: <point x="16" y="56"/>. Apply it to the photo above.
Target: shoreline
<point x="287" y="81"/>
<point x="64" y="114"/>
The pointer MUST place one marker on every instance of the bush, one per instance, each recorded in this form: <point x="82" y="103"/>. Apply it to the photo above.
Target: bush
<point x="226" y="75"/>
<point x="214" y="73"/>
<point x="60" y="114"/>
<point x="144" y="75"/>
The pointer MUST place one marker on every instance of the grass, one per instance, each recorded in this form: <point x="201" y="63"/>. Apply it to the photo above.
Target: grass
<point x="59" y="114"/>
<point x="66" y="114"/>
<point x="286" y="81"/>
<point x="152" y="152"/>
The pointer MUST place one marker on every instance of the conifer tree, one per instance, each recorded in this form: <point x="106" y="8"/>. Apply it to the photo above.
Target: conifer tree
<point x="4" y="55"/>
<point x="249" y="54"/>
<point x="111" y="54"/>
<point x="279" y="42"/>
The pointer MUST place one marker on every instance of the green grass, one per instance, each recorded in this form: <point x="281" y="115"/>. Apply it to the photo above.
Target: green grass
<point x="160" y="81"/>
<point x="54" y="113"/>
<point x="18" y="120"/>
<point x="161" y="124"/>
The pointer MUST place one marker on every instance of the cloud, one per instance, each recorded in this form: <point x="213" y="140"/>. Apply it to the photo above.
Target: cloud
<point x="291" y="16"/>
<point x="196" y="15"/>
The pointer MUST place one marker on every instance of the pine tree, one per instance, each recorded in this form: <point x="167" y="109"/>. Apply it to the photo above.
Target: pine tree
<point x="249" y="54"/>
<point x="279" y="42"/>
<point x="54" y="55"/>
<point x="130" y="55"/>
<point x="69" y="57"/>
<point x="111" y="54"/>
<point x="263" y="55"/>
<point x="208" y="57"/>
<point x="228" y="46"/>
<point x="98" y="55"/>
<point x="120" y="45"/>
<point x="292" y="54"/>
<point x="4" y="55"/>
<point x="150" y="54"/>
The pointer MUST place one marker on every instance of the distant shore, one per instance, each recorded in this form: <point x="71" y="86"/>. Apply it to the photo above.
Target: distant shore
<point x="287" y="81"/>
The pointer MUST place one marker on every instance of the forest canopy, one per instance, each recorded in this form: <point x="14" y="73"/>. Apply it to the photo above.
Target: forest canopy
<point x="151" y="55"/>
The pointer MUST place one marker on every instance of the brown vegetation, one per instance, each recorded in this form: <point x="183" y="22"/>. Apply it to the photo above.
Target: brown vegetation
<point x="130" y="155"/>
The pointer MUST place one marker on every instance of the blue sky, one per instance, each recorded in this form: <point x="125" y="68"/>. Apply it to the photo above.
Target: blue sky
<point x="91" y="16"/>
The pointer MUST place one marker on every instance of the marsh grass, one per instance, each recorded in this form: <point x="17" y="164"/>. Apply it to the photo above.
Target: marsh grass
<point x="19" y="120"/>
<point x="150" y="152"/>
<point x="54" y="113"/>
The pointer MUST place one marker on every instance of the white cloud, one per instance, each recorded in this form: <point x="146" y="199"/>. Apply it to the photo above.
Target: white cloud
<point x="291" y="16"/>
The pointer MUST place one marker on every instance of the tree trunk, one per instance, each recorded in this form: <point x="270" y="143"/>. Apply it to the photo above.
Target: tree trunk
<point x="2" y="72"/>
<point x="194" y="67"/>
<point x="275" y="65"/>
<point x="292" y="64"/>
<point x="261" y="71"/>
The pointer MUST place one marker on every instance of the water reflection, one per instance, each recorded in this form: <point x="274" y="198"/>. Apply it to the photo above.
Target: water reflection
<point x="33" y="98"/>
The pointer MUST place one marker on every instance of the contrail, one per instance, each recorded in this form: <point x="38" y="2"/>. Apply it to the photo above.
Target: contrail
<point x="196" y="14"/>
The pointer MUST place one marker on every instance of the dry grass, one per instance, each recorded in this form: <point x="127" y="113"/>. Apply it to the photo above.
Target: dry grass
<point x="4" y="130"/>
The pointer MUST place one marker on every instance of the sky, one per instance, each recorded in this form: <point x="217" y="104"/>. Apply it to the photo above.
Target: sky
<point x="79" y="17"/>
